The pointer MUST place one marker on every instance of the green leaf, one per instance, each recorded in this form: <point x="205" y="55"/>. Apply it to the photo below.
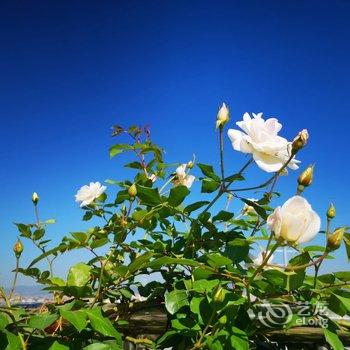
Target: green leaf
<point x="44" y="255"/>
<point x="234" y="177"/>
<point x="13" y="340"/>
<point x="80" y="236"/>
<point x="42" y="321"/>
<point x="134" y="165"/>
<point x="166" y="260"/>
<point x="4" y="321"/>
<point x="119" y="148"/>
<point x="343" y="275"/>
<point x="218" y="260"/>
<point x="76" y="318"/>
<point x="223" y="216"/>
<point x="239" y="339"/>
<point x="347" y="244"/>
<point x="194" y="206"/>
<point x="208" y="171"/>
<point x="57" y="346"/>
<point x="139" y="262"/>
<point x="333" y="339"/>
<point x="99" y="243"/>
<point x="177" y="195"/>
<point x="209" y="185"/>
<point x="202" y="286"/>
<point x="175" y="300"/>
<point x="148" y="196"/>
<point x="345" y="302"/>
<point x="78" y="275"/>
<point x="102" y="324"/>
<point x="38" y="234"/>
<point x="24" y="230"/>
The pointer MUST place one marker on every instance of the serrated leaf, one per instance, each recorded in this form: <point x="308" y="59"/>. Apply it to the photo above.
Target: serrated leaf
<point x="77" y="318"/>
<point x="42" y="321"/>
<point x="78" y="275"/>
<point x="148" y="196"/>
<point x="209" y="185"/>
<point x="119" y="148"/>
<point x="177" y="195"/>
<point x="333" y="339"/>
<point x="194" y="206"/>
<point x="102" y="324"/>
<point x="175" y="300"/>
<point x="208" y="171"/>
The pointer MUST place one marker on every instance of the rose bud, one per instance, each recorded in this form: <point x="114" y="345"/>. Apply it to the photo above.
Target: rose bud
<point x="300" y="141"/>
<point x="219" y="295"/>
<point x="331" y="212"/>
<point x="132" y="191"/>
<point x="18" y="248"/>
<point x="35" y="198"/>
<point x="223" y="116"/>
<point x="305" y="178"/>
<point x="334" y="240"/>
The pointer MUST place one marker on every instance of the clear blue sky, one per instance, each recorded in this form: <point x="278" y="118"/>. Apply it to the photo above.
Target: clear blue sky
<point x="72" y="69"/>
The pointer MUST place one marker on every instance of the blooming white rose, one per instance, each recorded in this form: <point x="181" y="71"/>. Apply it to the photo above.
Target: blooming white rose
<point x="295" y="222"/>
<point x="182" y="178"/>
<point x="260" y="138"/>
<point x="88" y="193"/>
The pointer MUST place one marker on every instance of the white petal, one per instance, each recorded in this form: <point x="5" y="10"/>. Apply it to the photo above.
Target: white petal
<point x="239" y="142"/>
<point x="181" y="170"/>
<point x="312" y="229"/>
<point x="266" y="162"/>
<point x="274" y="221"/>
<point x="189" y="180"/>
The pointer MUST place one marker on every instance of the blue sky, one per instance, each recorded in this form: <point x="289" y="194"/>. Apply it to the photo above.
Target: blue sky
<point x="70" y="70"/>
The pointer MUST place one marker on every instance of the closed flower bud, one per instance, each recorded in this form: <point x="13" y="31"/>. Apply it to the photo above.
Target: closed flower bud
<point x="334" y="240"/>
<point x="190" y="164"/>
<point x="35" y="198"/>
<point x="331" y="212"/>
<point x="305" y="178"/>
<point x="300" y="141"/>
<point x="18" y="248"/>
<point x="219" y="295"/>
<point x="132" y="191"/>
<point x="223" y="116"/>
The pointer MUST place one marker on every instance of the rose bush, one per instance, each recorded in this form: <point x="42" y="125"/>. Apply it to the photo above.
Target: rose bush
<point x="210" y="282"/>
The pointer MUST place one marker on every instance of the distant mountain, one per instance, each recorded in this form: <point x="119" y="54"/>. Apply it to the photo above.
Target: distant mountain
<point x="29" y="291"/>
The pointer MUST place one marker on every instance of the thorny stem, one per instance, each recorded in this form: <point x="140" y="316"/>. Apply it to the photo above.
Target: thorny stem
<point x="222" y="190"/>
<point x="38" y="224"/>
<point x="15" y="278"/>
<point x="304" y="266"/>
<point x="266" y="183"/>
<point x="221" y="154"/>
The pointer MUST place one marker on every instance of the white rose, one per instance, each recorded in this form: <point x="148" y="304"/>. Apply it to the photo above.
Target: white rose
<point x="88" y="193"/>
<point x="295" y="222"/>
<point x="260" y="138"/>
<point x="182" y="178"/>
